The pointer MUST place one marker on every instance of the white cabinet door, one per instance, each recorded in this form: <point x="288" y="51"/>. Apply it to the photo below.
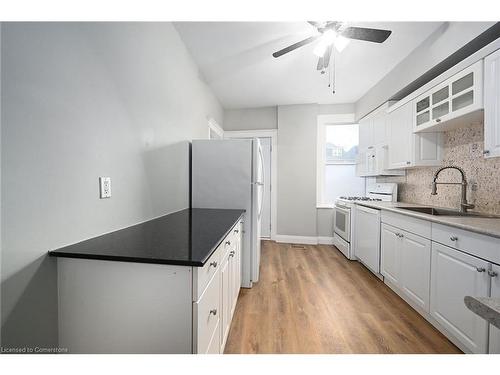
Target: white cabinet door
<point x="236" y="271"/>
<point x="390" y="253"/>
<point x="415" y="268"/>
<point x="452" y="102"/>
<point x="367" y="232"/>
<point x="365" y="134"/>
<point x="455" y="275"/>
<point x="400" y="135"/>
<point x="492" y="105"/>
<point x="495" y="293"/>
<point x="226" y="297"/>
<point x="379" y="128"/>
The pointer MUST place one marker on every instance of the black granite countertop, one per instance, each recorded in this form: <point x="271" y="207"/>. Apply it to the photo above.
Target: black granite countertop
<point x="187" y="237"/>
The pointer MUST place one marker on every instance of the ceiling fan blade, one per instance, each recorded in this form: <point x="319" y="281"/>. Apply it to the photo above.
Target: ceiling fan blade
<point x="314" y="23"/>
<point x="296" y="45"/>
<point x="320" y="65"/>
<point x="327" y="55"/>
<point x="369" y="35"/>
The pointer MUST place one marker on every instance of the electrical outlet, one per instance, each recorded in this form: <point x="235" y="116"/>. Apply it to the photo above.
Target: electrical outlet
<point x="105" y="187"/>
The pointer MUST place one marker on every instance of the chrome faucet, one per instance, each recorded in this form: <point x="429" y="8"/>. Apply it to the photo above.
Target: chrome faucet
<point x="464" y="206"/>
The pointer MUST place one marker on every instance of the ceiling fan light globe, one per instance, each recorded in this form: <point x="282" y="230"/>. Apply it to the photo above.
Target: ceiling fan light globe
<point x="320" y="49"/>
<point x="340" y="43"/>
<point x="329" y="36"/>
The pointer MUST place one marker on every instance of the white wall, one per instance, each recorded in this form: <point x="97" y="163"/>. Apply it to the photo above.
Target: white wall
<point x="297" y="144"/>
<point x="79" y="101"/>
<point x="446" y="40"/>
<point x="296" y="205"/>
<point x="250" y="118"/>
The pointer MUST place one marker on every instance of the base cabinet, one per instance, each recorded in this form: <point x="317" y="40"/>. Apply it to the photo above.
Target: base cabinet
<point x="454" y="276"/>
<point x="230" y="283"/>
<point x="495" y="293"/>
<point x="406" y="263"/>
<point x="390" y="265"/>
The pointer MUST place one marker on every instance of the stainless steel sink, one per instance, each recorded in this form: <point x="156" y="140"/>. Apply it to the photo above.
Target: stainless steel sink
<point x="445" y="212"/>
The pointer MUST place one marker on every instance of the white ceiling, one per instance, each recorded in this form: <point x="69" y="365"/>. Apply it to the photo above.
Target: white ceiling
<point x="235" y="60"/>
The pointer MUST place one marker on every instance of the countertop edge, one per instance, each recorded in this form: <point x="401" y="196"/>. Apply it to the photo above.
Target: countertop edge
<point x="486" y="308"/>
<point x="429" y="217"/>
<point x="118" y="258"/>
<point x="210" y="253"/>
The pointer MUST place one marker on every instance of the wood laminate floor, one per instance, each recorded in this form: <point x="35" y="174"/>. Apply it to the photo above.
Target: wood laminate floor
<point x="313" y="300"/>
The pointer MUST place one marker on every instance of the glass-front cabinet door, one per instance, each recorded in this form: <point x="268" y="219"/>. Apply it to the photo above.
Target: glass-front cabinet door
<point x="459" y="95"/>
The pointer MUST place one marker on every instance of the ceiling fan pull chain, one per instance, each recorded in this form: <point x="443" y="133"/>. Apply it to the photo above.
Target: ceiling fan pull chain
<point x="333" y="74"/>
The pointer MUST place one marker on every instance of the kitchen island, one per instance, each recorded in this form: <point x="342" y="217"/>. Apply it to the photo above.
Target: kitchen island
<point x="168" y="285"/>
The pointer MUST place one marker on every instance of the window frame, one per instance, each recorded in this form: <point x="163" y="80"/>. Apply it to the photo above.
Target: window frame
<point x="322" y="122"/>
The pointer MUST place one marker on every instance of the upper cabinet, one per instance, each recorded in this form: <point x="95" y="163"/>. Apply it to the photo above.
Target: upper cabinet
<point x="406" y="149"/>
<point x="492" y="105"/>
<point x="373" y="157"/>
<point x="455" y="102"/>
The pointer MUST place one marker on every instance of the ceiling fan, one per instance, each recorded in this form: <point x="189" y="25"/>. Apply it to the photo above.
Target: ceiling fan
<point x="333" y="33"/>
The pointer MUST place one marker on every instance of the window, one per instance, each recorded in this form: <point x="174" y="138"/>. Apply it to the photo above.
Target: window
<point x="337" y="153"/>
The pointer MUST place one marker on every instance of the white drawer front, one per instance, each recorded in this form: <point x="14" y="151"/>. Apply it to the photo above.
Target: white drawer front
<point x="409" y="224"/>
<point x="202" y="275"/>
<point x="482" y="246"/>
<point x="206" y="313"/>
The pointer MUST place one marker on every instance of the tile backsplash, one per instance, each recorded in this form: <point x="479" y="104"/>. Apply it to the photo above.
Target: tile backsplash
<point x="464" y="148"/>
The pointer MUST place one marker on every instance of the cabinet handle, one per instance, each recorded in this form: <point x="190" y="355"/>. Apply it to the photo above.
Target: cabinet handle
<point x="228" y="242"/>
<point x="438" y="120"/>
<point x="408" y="163"/>
<point x="453" y="238"/>
<point x="231" y="254"/>
<point x="236" y="231"/>
<point x="213" y="312"/>
<point x="214" y="264"/>
<point x="492" y="273"/>
<point x="486" y="152"/>
<point x="480" y="269"/>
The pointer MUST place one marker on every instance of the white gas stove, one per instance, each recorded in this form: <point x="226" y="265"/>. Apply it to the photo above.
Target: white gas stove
<point x="344" y="214"/>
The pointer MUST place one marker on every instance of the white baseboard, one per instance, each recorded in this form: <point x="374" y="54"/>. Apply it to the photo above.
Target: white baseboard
<point x="296" y="239"/>
<point x="306" y="240"/>
<point x="323" y="240"/>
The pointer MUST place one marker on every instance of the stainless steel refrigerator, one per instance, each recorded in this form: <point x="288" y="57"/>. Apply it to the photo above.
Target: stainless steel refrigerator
<point x="230" y="174"/>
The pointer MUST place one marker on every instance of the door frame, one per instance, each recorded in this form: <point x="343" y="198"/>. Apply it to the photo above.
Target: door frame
<point x="264" y="133"/>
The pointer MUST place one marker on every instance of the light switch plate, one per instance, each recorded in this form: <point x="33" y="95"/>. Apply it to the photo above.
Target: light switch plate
<point x="105" y="187"/>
